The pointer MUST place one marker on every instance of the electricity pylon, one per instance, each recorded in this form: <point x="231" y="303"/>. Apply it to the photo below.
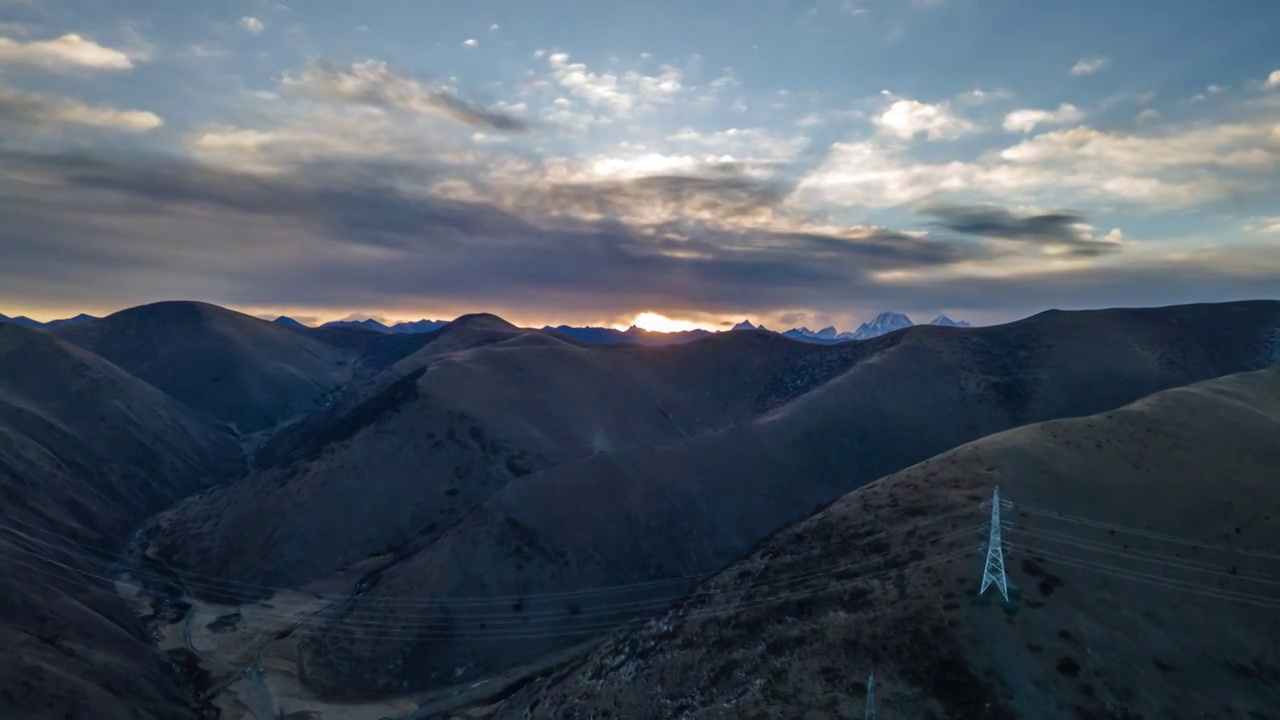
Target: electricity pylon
<point x="993" y="571"/>
<point x="870" y="714"/>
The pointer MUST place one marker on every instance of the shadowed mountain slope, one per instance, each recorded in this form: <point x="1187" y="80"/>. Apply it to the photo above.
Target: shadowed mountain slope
<point x="1142" y="542"/>
<point x="87" y="452"/>
<point x="247" y="372"/>
<point x="634" y="464"/>
<point x="404" y="456"/>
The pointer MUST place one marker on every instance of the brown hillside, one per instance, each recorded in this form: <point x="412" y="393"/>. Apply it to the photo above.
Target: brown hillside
<point x="247" y="372"/>
<point x="87" y="452"/>
<point x="665" y="462"/>
<point x="402" y="458"/>
<point x="1142" y="542"/>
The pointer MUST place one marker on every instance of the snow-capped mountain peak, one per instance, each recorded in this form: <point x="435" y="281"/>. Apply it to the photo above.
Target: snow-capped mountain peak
<point x="885" y="322"/>
<point x="944" y="321"/>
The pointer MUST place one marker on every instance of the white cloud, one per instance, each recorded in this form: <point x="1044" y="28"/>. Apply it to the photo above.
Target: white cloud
<point x="1026" y="120"/>
<point x="1264" y="225"/>
<point x="978" y="96"/>
<point x="41" y="109"/>
<point x="1172" y="169"/>
<point x="1114" y="236"/>
<point x="744" y="145"/>
<point x="301" y="134"/>
<point x="233" y="138"/>
<point x="1088" y="66"/>
<point x="812" y="120"/>
<point x="493" y="27"/>
<point x="374" y="84"/>
<point x="63" y="53"/>
<point x="1237" y="146"/>
<point x="1273" y="80"/>
<point x="625" y="94"/>
<point x="251" y="25"/>
<point x="1148" y="115"/>
<point x="905" y="119"/>
<point x="469" y="42"/>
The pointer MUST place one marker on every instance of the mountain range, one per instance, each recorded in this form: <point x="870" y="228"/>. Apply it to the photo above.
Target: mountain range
<point x="210" y="514"/>
<point x="883" y="323"/>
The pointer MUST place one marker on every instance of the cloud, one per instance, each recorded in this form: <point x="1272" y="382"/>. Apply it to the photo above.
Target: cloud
<point x="111" y="231"/>
<point x="978" y="96"/>
<point x="1273" y="80"/>
<point x="469" y="42"/>
<point x="1263" y="225"/>
<point x="905" y="119"/>
<point x="63" y="53"/>
<point x="1061" y="232"/>
<point x="1243" y="146"/>
<point x="1148" y="115"/>
<point x="1026" y="120"/>
<point x="1159" y="167"/>
<point x="1088" y="66"/>
<point x="744" y="145"/>
<point x="35" y="111"/>
<point x="624" y="95"/>
<point x="344" y="236"/>
<point x="251" y="25"/>
<point x="372" y="83"/>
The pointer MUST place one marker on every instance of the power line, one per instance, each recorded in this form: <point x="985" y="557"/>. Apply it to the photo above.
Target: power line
<point x="220" y="586"/>
<point x="1196" y="588"/>
<point x="663" y="600"/>
<point x="1141" y="533"/>
<point x="1145" y="556"/>
<point x="619" y="608"/>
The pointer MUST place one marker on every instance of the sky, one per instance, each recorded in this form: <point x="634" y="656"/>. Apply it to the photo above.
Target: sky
<point x="795" y="163"/>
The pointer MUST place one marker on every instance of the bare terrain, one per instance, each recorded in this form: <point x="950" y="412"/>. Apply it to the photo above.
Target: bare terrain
<point x="532" y="469"/>
<point x="209" y="515"/>
<point x="87" y="452"/>
<point x="249" y="373"/>
<point x="1144" y="549"/>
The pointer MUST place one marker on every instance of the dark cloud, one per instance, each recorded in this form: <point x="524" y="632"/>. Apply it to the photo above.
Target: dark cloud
<point x="119" y="230"/>
<point x="376" y="84"/>
<point x="315" y="236"/>
<point x="722" y="194"/>
<point x="1063" y="228"/>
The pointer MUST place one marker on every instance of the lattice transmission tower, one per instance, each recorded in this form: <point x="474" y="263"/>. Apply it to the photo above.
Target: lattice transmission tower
<point x="870" y="713"/>
<point x="993" y="570"/>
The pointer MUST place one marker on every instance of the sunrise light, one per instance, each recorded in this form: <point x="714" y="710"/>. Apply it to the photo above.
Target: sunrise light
<point x="661" y="323"/>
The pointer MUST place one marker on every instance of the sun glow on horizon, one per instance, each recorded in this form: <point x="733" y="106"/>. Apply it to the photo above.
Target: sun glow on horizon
<point x="656" y="322"/>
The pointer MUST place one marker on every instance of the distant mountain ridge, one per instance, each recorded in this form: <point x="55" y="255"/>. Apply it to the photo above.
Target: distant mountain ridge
<point x="27" y="322"/>
<point x="883" y="323"/>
